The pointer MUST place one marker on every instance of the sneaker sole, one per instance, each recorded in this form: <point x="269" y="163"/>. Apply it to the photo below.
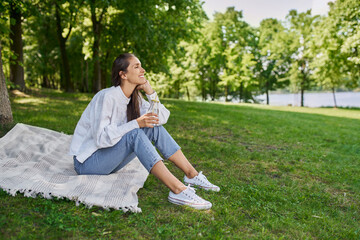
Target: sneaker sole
<point x="205" y="188"/>
<point x="193" y="205"/>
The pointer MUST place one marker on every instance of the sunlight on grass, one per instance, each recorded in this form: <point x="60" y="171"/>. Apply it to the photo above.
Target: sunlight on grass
<point x="284" y="172"/>
<point x="335" y="112"/>
<point x="36" y="101"/>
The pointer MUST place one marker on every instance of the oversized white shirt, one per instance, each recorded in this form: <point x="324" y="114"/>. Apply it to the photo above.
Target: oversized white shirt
<point x="104" y="122"/>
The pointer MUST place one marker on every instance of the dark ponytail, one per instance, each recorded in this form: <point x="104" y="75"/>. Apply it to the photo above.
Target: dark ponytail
<point x="121" y="63"/>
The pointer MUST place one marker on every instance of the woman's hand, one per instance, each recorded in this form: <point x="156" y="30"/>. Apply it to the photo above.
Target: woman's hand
<point x="148" y="120"/>
<point x="146" y="87"/>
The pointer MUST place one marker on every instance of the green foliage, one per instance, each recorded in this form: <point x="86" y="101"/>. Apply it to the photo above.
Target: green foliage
<point x="218" y="56"/>
<point x="284" y="173"/>
<point x="41" y="51"/>
<point x="150" y="29"/>
<point x="273" y="55"/>
<point x="336" y="46"/>
<point x="185" y="54"/>
<point x="302" y="25"/>
<point x="4" y="29"/>
<point x="232" y="60"/>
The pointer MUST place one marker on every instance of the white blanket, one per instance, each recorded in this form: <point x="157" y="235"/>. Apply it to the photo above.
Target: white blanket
<point x="34" y="161"/>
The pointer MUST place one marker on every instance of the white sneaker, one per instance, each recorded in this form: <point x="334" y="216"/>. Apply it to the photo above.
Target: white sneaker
<point x="201" y="182"/>
<point x="189" y="198"/>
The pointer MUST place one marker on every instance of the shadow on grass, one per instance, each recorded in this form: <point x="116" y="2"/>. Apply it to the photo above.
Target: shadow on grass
<point x="282" y="174"/>
<point x="6" y="128"/>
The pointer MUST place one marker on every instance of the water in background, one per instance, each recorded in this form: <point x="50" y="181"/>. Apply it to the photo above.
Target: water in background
<point x="343" y="99"/>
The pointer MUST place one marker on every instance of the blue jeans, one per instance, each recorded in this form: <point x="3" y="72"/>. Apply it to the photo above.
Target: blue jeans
<point x="135" y="143"/>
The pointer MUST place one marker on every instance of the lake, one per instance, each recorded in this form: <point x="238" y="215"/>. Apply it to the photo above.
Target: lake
<point x="343" y="99"/>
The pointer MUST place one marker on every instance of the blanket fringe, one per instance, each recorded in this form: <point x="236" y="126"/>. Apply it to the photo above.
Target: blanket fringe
<point x="33" y="194"/>
<point x="39" y="149"/>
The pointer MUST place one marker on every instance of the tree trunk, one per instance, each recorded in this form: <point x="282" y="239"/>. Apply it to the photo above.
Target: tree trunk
<point x="302" y="96"/>
<point x="52" y="80"/>
<point x="97" y="70"/>
<point x="302" y="90"/>
<point x="86" y="79"/>
<point x="96" y="47"/>
<point x="177" y="89"/>
<point x="103" y="77"/>
<point x="104" y="71"/>
<point x="16" y="47"/>
<point x="212" y="89"/>
<point x="267" y="92"/>
<point x="303" y="84"/>
<point x="187" y="93"/>
<point x="81" y="85"/>
<point x="67" y="85"/>
<point x="203" y="90"/>
<point x="241" y="91"/>
<point x="226" y="93"/>
<point x="5" y="107"/>
<point x="333" y="90"/>
<point x="45" y="81"/>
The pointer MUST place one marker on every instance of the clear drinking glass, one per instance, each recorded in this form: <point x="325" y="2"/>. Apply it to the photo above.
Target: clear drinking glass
<point x="154" y="108"/>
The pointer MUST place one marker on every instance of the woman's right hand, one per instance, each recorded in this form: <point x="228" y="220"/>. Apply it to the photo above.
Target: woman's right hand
<point x="148" y="120"/>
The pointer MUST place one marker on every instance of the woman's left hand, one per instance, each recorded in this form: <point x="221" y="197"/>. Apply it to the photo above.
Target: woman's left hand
<point x="146" y="87"/>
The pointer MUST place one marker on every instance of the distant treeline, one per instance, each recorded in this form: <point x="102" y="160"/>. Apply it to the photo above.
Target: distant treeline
<point x="71" y="44"/>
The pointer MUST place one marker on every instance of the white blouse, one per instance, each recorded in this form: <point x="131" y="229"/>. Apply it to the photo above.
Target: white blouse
<point x="104" y="122"/>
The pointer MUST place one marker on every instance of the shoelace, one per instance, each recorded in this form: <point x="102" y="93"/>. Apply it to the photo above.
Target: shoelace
<point x="192" y="194"/>
<point x="205" y="182"/>
<point x="191" y="188"/>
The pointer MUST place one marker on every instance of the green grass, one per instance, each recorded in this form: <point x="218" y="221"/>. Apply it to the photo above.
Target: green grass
<point x="284" y="173"/>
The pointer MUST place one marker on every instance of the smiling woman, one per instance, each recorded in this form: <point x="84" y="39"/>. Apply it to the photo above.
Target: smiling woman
<point x="115" y="127"/>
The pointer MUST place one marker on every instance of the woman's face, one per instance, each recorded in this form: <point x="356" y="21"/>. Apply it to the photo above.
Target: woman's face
<point x="135" y="73"/>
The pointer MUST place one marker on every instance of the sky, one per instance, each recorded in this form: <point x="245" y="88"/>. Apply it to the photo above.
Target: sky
<point x="256" y="10"/>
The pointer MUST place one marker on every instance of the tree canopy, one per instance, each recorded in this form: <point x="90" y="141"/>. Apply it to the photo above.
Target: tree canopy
<point x="70" y="45"/>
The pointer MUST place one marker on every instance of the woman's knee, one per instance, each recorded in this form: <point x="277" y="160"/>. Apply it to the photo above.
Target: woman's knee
<point x="135" y="134"/>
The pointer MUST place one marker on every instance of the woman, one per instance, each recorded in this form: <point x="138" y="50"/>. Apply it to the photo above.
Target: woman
<point x="115" y="127"/>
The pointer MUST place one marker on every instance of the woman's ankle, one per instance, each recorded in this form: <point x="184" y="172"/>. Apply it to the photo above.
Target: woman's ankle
<point x="178" y="189"/>
<point x="191" y="174"/>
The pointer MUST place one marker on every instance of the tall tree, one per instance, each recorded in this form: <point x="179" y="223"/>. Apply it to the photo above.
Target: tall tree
<point x="5" y="107"/>
<point x="151" y="29"/>
<point x="98" y="11"/>
<point x="329" y="63"/>
<point x="208" y="60"/>
<point x="302" y="25"/>
<point x="65" y="12"/>
<point x="236" y="72"/>
<point x="42" y="52"/>
<point x="336" y="47"/>
<point x="346" y="15"/>
<point x="220" y="54"/>
<point x="273" y="55"/>
<point x="16" y="45"/>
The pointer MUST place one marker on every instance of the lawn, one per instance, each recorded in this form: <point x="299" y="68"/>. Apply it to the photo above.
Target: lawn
<point x="284" y="173"/>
